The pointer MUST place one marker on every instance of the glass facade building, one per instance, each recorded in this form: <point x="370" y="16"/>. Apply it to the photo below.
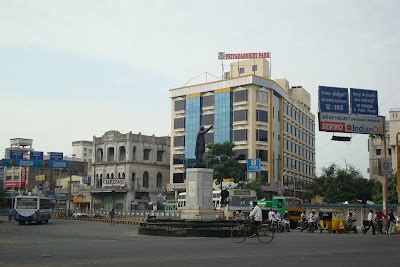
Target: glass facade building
<point x="223" y="117"/>
<point x="192" y="125"/>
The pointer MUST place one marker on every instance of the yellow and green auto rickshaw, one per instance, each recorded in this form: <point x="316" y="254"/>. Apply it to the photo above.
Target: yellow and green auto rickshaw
<point x="325" y="220"/>
<point x="338" y="221"/>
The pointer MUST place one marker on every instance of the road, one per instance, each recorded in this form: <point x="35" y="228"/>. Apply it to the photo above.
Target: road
<point x="80" y="243"/>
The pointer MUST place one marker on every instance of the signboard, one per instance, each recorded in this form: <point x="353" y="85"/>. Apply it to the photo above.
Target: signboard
<point x="223" y="55"/>
<point x="16" y="184"/>
<point x="56" y="156"/>
<point x="36" y="155"/>
<point x="364" y="102"/>
<point x="333" y="99"/>
<point x="41" y="177"/>
<point x="16" y="154"/>
<point x="24" y="174"/>
<point x="253" y="165"/>
<point x="386" y="167"/>
<point x="78" y="199"/>
<point x="113" y="182"/>
<point x="35" y="163"/>
<point x="347" y="123"/>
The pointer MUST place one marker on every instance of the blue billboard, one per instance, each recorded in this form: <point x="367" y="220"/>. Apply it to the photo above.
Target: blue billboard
<point x="63" y="164"/>
<point x="333" y="99"/>
<point x="56" y="156"/>
<point x="364" y="102"/>
<point x="36" y="155"/>
<point x="16" y="154"/>
<point x="253" y="165"/>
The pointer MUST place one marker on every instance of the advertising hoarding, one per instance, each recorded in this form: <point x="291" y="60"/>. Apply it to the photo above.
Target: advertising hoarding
<point x="253" y="165"/>
<point x="333" y="99"/>
<point x="16" y="154"/>
<point x="36" y="155"/>
<point x="35" y="163"/>
<point x="364" y="102"/>
<point x="346" y="123"/>
<point x="56" y="156"/>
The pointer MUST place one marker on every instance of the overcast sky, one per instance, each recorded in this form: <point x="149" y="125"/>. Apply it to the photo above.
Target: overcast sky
<point x="73" y="69"/>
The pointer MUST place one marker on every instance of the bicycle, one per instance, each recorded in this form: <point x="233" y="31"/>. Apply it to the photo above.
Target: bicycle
<point x="240" y="232"/>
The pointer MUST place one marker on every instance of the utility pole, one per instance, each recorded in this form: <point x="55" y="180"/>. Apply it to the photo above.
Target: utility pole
<point x="70" y="192"/>
<point x="385" y="179"/>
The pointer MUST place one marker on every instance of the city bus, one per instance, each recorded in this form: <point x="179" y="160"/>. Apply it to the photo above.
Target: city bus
<point x="32" y="209"/>
<point x="239" y="199"/>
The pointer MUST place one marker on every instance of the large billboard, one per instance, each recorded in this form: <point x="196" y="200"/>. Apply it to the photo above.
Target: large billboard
<point x="336" y="116"/>
<point x="350" y="123"/>
<point x="333" y="99"/>
<point x="364" y="102"/>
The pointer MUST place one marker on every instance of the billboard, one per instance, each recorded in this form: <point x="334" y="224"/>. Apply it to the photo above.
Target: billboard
<point x="253" y="165"/>
<point x="36" y="155"/>
<point x="350" y="123"/>
<point x="364" y="102"/>
<point x="333" y="99"/>
<point x="56" y="156"/>
<point x="35" y="163"/>
<point x="16" y="154"/>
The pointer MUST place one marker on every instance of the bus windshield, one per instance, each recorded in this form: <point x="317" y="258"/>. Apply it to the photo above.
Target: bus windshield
<point x="236" y="201"/>
<point x="26" y="203"/>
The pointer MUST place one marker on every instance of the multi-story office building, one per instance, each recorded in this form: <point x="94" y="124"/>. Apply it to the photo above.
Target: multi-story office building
<point x="266" y="119"/>
<point x="392" y="128"/>
<point x="130" y="170"/>
<point x="82" y="149"/>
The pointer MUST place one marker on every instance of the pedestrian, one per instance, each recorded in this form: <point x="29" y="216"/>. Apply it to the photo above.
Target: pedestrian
<point x="370" y="222"/>
<point x="10" y="214"/>
<point x="112" y="217"/>
<point x="392" y="223"/>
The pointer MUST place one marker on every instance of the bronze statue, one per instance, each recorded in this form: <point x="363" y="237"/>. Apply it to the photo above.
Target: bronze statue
<point x="201" y="147"/>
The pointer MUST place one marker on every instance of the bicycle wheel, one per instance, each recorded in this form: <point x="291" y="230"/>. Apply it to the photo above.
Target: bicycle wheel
<point x="265" y="236"/>
<point x="239" y="233"/>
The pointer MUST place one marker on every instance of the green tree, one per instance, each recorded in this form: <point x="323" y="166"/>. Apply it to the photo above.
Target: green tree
<point x="391" y="192"/>
<point x="338" y="185"/>
<point x="222" y="159"/>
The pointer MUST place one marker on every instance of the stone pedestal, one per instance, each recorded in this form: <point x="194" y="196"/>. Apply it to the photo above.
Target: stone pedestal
<point x="199" y="188"/>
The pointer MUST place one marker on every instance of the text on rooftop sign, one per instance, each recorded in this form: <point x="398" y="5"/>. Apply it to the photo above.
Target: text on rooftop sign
<point x="244" y="55"/>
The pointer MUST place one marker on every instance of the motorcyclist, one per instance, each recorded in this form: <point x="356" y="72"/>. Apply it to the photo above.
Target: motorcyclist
<point x="313" y="217"/>
<point x="349" y="220"/>
<point x="303" y="216"/>
<point x="378" y="218"/>
<point x="286" y="221"/>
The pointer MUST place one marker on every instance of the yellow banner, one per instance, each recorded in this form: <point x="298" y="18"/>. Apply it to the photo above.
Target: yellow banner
<point x="78" y="199"/>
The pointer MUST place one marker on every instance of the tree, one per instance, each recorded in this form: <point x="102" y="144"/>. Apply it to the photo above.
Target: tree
<point x="222" y="159"/>
<point x="391" y="191"/>
<point x="339" y="185"/>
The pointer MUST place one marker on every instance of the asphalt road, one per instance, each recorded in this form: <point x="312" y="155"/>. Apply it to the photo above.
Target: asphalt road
<point x="79" y="243"/>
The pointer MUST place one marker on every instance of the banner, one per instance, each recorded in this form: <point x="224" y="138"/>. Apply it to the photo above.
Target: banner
<point x="364" y="102"/>
<point x="333" y="99"/>
<point x="349" y="123"/>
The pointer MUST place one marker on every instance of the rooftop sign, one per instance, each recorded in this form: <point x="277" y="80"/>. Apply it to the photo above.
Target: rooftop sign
<point x="223" y="55"/>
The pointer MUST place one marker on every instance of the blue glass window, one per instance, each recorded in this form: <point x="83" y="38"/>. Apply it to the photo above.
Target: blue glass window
<point x="222" y="117"/>
<point x="192" y="126"/>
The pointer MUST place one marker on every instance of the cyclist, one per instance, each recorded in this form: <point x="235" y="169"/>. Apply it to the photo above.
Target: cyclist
<point x="256" y="219"/>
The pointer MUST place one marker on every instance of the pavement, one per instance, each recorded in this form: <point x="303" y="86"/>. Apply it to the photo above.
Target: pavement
<point x="82" y="243"/>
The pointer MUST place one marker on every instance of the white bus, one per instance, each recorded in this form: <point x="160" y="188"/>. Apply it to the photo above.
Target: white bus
<point x="32" y="209"/>
<point x="239" y="199"/>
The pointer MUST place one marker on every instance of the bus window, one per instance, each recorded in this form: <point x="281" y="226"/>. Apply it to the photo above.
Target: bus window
<point x="26" y="203"/>
<point x="280" y="203"/>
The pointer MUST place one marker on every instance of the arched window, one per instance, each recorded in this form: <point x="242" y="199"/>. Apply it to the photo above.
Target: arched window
<point x="123" y="175"/>
<point x="122" y="154"/>
<point x="159" y="180"/>
<point x="101" y="176"/>
<point x="145" y="179"/>
<point x="119" y="175"/>
<point x="112" y="175"/>
<point x="99" y="155"/>
<point x="133" y="176"/>
<point x="108" y="176"/>
<point x="97" y="176"/>
<point x="110" y="154"/>
<point x="134" y="153"/>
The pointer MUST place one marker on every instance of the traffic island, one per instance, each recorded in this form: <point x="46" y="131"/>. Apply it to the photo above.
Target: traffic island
<point x="187" y="228"/>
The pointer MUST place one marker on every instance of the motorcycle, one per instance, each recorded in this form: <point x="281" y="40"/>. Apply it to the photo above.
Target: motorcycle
<point x="303" y="225"/>
<point x="379" y="226"/>
<point x="312" y="226"/>
<point x="351" y="226"/>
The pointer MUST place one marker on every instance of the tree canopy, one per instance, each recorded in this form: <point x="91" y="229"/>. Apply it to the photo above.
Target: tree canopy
<point x="339" y="185"/>
<point x="391" y="191"/>
<point x="222" y="159"/>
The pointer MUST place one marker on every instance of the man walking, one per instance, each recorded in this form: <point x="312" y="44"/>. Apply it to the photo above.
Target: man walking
<point x="392" y="223"/>
<point x="112" y="217"/>
<point x="370" y="222"/>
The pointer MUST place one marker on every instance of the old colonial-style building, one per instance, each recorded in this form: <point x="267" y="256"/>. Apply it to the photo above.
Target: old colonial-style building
<point x="130" y="170"/>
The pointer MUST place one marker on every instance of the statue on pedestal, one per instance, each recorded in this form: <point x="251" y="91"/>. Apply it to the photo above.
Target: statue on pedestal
<point x="201" y="147"/>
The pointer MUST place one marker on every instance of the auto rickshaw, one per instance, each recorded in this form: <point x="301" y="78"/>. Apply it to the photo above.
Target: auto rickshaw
<point x="338" y="221"/>
<point x="325" y="220"/>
